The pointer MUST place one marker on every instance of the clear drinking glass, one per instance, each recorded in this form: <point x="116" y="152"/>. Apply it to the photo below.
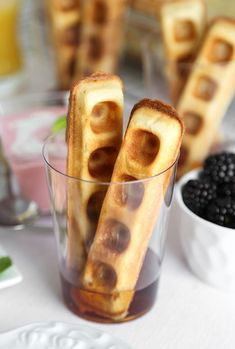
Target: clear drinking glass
<point x="115" y="278"/>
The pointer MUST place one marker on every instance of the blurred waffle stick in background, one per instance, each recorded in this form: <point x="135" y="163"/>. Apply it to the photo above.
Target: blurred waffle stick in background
<point x="101" y="36"/>
<point x="94" y="135"/>
<point x="149" y="7"/>
<point x="208" y="93"/>
<point x="65" y="26"/>
<point x="86" y="36"/>
<point x="183" y="24"/>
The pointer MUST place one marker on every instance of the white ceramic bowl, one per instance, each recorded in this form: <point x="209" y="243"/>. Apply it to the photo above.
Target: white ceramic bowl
<point x="208" y="247"/>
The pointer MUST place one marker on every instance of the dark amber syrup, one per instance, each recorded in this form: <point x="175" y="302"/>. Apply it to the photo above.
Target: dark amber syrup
<point x="143" y="300"/>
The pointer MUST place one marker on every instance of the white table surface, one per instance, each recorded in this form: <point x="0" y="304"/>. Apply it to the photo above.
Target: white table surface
<point x="187" y="314"/>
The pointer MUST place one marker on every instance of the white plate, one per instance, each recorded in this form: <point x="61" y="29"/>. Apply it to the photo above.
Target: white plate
<point x="57" y="335"/>
<point x="10" y="276"/>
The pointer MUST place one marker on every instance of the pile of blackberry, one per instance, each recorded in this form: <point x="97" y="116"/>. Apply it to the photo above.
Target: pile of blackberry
<point x="212" y="195"/>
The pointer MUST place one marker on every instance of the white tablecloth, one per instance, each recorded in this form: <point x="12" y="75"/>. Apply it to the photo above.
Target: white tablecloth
<point x="187" y="314"/>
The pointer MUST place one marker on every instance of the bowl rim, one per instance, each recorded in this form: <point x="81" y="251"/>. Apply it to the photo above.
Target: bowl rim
<point x="178" y="190"/>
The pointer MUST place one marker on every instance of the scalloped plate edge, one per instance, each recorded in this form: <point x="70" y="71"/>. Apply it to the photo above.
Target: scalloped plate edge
<point x="59" y="335"/>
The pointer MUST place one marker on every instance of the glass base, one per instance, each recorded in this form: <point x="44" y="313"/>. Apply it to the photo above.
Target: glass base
<point x="143" y="300"/>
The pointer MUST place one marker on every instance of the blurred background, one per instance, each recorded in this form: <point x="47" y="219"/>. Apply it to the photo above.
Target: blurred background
<point x="46" y="46"/>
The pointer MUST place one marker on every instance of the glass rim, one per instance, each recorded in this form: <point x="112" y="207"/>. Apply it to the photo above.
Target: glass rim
<point x="104" y="183"/>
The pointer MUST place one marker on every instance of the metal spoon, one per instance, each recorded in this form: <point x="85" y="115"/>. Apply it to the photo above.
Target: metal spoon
<point x="15" y="211"/>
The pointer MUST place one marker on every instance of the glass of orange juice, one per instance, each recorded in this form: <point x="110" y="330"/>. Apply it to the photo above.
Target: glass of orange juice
<point x="10" y="52"/>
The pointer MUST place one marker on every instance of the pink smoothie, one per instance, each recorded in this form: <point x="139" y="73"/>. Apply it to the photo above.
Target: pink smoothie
<point x="23" y="136"/>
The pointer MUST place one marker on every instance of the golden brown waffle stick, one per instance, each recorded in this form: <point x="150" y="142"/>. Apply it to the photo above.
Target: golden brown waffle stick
<point x="66" y="66"/>
<point x="102" y="27"/>
<point x="65" y="18"/>
<point x="183" y="23"/>
<point x="94" y="135"/>
<point x="208" y="93"/>
<point x="127" y="218"/>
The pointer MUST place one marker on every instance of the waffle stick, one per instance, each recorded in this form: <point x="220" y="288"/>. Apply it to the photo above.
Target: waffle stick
<point x="65" y="18"/>
<point x="208" y="93"/>
<point x="94" y="135"/>
<point x="183" y="23"/>
<point x="129" y="212"/>
<point x="102" y="27"/>
<point x="65" y="59"/>
<point x="102" y="12"/>
<point x="99" y="49"/>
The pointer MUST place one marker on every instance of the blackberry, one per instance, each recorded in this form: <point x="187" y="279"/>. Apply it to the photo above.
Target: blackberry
<point x="198" y="194"/>
<point x="226" y="190"/>
<point x="222" y="212"/>
<point x="220" y="168"/>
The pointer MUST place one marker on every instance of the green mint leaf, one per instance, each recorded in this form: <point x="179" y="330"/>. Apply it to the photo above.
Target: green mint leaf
<point x="59" y="124"/>
<point x="5" y="263"/>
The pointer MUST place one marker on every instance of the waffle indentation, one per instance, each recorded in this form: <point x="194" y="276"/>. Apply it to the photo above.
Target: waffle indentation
<point x="184" y="66"/>
<point x="128" y="194"/>
<point x="100" y="12"/>
<point x="116" y="236"/>
<point x="184" y="30"/>
<point x="104" y="275"/>
<point x="221" y="51"/>
<point x="205" y="88"/>
<point x="95" y="48"/>
<point x="143" y="147"/>
<point x="104" y="117"/>
<point x="66" y="5"/>
<point x="71" y="35"/>
<point x="71" y="67"/>
<point x="184" y="153"/>
<point x="94" y="206"/>
<point x="193" y="122"/>
<point x="101" y="162"/>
